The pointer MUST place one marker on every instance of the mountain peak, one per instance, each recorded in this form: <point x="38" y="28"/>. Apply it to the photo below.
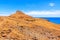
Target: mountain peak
<point x="19" y="14"/>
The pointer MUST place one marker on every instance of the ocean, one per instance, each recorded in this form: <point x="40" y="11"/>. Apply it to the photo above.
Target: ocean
<point x="55" y="20"/>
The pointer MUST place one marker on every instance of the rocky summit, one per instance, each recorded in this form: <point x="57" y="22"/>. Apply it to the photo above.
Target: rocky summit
<point x="20" y="26"/>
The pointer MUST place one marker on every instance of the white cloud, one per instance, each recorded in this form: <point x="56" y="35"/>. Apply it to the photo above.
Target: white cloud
<point x="6" y="13"/>
<point x="51" y="4"/>
<point x="55" y="13"/>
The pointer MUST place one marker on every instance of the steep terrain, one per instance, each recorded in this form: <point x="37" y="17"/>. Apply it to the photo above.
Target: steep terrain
<point x="20" y="26"/>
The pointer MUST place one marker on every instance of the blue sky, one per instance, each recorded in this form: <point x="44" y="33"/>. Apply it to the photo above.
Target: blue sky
<point x="35" y="8"/>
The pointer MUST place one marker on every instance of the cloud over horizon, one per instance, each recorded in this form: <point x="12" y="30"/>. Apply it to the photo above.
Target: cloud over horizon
<point x="55" y="13"/>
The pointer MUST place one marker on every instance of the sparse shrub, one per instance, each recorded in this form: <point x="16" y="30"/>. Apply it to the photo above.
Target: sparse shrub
<point x="58" y="36"/>
<point x="4" y="33"/>
<point x="34" y="38"/>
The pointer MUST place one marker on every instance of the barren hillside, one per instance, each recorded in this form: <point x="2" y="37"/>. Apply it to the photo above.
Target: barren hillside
<point x="20" y="26"/>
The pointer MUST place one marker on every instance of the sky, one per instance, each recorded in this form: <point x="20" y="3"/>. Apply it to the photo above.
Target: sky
<point x="35" y="8"/>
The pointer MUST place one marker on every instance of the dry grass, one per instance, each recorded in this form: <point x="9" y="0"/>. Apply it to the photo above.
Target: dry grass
<point x="23" y="27"/>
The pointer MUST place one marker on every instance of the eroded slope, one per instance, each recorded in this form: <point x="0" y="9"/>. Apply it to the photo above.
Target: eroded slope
<point x="23" y="27"/>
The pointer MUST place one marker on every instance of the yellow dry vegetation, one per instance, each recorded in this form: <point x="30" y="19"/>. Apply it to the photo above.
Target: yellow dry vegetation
<point x="20" y="26"/>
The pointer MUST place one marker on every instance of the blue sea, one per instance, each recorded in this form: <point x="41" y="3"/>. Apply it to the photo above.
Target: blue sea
<point x="55" y="20"/>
